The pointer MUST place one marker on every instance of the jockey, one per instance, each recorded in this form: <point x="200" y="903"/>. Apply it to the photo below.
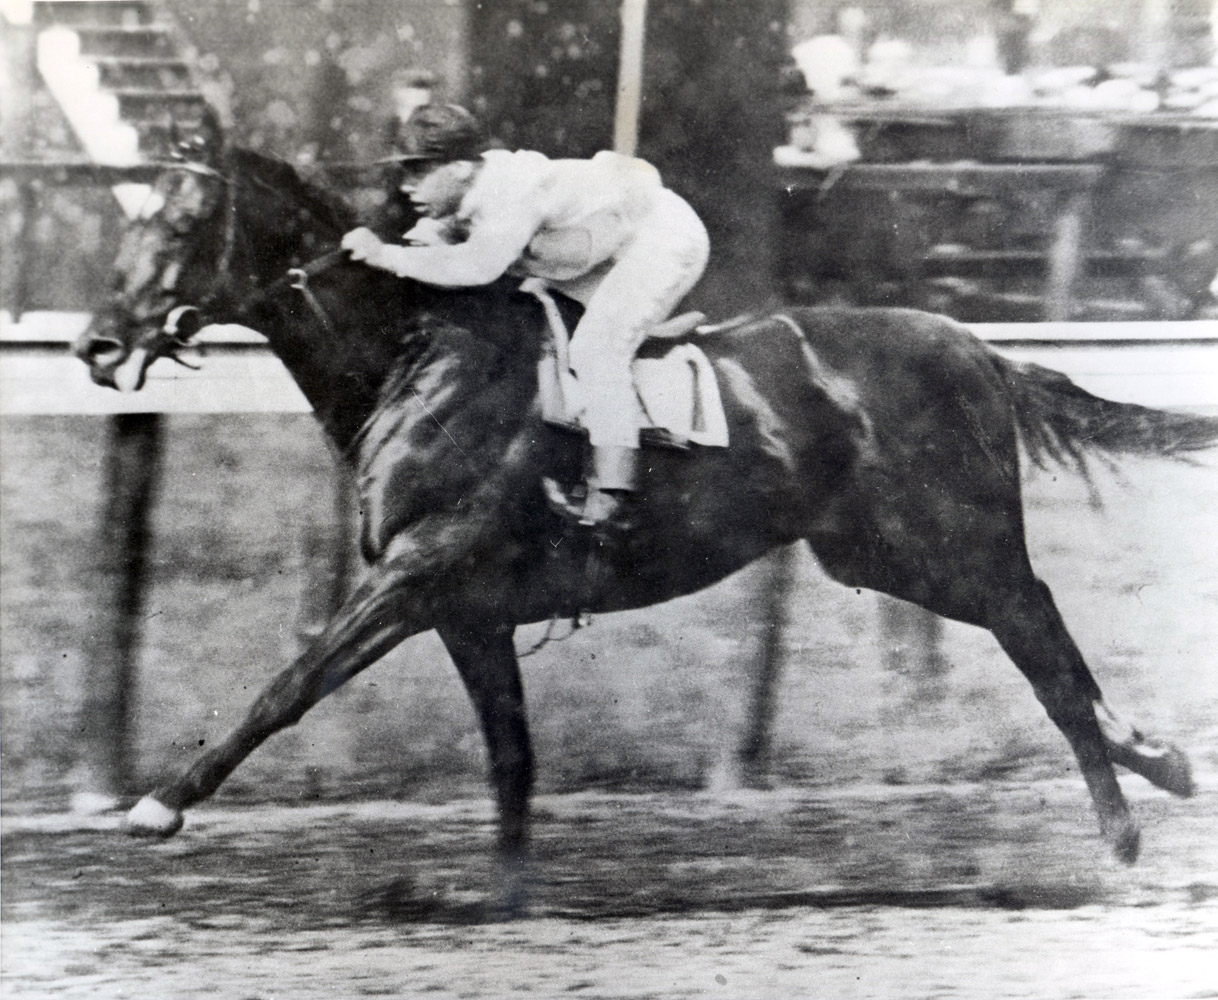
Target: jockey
<point x="603" y="231"/>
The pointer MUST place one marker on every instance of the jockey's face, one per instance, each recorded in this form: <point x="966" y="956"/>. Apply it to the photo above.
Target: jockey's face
<point x="413" y="173"/>
<point x="440" y="191"/>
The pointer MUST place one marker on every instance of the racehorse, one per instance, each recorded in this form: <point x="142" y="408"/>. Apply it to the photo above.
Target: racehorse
<point x="887" y="440"/>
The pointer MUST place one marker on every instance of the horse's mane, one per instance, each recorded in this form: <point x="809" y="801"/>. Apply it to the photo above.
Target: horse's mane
<point x="497" y="312"/>
<point x="324" y="205"/>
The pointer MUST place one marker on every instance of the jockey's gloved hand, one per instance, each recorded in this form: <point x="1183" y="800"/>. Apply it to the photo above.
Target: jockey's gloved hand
<point x="362" y="244"/>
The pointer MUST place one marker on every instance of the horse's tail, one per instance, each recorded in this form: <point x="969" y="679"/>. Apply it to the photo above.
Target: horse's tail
<point x="1062" y="423"/>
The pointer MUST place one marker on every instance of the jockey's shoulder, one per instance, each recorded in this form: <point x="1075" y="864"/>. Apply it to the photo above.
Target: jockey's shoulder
<point x="508" y="169"/>
<point x="516" y="157"/>
<point x="620" y="163"/>
<point x="527" y="170"/>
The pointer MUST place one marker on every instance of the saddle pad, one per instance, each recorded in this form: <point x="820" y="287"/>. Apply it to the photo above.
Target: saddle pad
<point x="677" y="392"/>
<point x="680" y="393"/>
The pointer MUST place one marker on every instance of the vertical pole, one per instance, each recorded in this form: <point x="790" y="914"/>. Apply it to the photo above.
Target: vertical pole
<point x="630" y="77"/>
<point x="18" y="134"/>
<point x="26" y="258"/>
<point x="911" y="644"/>
<point x="345" y="540"/>
<point x="1065" y="256"/>
<point x="131" y="472"/>
<point x="1155" y="29"/>
<point x="753" y="755"/>
<point x="326" y="552"/>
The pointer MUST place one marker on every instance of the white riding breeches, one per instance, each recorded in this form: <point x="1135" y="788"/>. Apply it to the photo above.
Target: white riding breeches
<point x="639" y="288"/>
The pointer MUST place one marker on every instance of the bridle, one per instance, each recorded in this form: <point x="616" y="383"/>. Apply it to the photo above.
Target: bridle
<point x="184" y="321"/>
<point x="298" y="278"/>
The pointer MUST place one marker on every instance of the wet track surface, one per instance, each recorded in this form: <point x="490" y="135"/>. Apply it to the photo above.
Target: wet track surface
<point x="946" y="891"/>
<point x="949" y="857"/>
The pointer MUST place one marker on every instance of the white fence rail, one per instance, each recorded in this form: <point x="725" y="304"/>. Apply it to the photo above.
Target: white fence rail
<point x="1156" y="364"/>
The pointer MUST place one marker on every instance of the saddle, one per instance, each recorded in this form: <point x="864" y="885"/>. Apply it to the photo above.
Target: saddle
<point x="677" y="393"/>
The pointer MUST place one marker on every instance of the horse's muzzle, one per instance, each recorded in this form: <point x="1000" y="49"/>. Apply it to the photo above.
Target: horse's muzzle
<point x="103" y="355"/>
<point x="112" y="362"/>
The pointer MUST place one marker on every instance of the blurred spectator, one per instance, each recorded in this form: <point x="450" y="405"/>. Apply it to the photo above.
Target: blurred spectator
<point x="408" y="89"/>
<point x="830" y="62"/>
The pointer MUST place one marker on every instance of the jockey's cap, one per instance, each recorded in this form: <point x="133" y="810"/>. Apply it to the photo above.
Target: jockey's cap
<point x="440" y="132"/>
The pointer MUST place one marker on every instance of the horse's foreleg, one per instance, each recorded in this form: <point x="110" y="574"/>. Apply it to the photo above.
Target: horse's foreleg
<point x="485" y="657"/>
<point x="380" y="614"/>
<point x="1031" y="631"/>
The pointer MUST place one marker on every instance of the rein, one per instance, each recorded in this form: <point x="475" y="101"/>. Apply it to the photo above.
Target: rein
<point x="298" y="278"/>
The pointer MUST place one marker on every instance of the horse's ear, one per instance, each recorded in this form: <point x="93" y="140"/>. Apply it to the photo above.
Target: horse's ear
<point x="201" y="141"/>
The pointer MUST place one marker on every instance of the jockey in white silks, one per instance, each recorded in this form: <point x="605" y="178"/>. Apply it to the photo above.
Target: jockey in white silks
<point x="603" y="231"/>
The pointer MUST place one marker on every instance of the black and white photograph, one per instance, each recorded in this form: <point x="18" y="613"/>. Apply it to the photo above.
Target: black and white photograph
<point x="609" y="499"/>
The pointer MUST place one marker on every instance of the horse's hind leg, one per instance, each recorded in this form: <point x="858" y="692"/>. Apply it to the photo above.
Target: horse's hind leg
<point x="485" y="657"/>
<point x="934" y="515"/>
<point x="1030" y="629"/>
<point x="981" y="575"/>
<point x="1158" y="762"/>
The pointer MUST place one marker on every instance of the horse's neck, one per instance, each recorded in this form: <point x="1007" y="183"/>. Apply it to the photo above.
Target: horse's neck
<point x="343" y="336"/>
<point x="324" y="338"/>
<point x="281" y="223"/>
<point x="280" y="233"/>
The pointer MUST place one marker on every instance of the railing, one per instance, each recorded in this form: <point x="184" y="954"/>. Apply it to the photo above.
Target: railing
<point x="1153" y="363"/>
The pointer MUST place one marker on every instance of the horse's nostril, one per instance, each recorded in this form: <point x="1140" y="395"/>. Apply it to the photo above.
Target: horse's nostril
<point x="100" y="350"/>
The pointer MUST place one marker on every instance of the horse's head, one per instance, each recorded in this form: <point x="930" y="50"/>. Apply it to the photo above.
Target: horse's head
<point x="170" y="265"/>
<point x="218" y="227"/>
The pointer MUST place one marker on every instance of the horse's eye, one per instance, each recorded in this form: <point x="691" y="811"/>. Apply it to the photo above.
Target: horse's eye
<point x="183" y="323"/>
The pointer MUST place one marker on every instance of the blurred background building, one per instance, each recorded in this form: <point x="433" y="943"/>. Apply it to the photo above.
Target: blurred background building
<point x="1128" y="87"/>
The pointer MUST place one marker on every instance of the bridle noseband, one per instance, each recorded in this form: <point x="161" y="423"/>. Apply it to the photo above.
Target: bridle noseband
<point x="176" y="331"/>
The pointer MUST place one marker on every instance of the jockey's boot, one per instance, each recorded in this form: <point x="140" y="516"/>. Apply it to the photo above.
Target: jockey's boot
<point x="614" y="474"/>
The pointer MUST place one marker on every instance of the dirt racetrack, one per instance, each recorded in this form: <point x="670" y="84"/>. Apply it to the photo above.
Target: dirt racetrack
<point x="961" y="891"/>
<point x="927" y="836"/>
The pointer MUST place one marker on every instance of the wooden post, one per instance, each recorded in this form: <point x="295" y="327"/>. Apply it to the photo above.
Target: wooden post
<point x="131" y="471"/>
<point x="18" y="134"/>
<point x="753" y="755"/>
<point x="630" y="77"/>
<point x="327" y="550"/>
<point x="1155" y="30"/>
<point x="1066" y="255"/>
<point x="911" y="644"/>
<point x="27" y="255"/>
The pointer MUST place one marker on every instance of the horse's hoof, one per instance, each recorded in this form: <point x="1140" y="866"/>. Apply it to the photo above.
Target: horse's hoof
<point x="1162" y="764"/>
<point x="149" y="818"/>
<point x="1126" y="842"/>
<point x="1172" y="772"/>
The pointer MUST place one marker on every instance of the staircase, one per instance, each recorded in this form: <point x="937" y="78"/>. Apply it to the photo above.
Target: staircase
<point x="120" y="72"/>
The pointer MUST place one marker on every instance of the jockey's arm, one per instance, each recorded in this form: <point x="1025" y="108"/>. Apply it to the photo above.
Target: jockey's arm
<point x="495" y="243"/>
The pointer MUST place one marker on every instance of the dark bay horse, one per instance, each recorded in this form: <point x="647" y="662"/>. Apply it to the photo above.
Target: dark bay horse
<point x="885" y="439"/>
